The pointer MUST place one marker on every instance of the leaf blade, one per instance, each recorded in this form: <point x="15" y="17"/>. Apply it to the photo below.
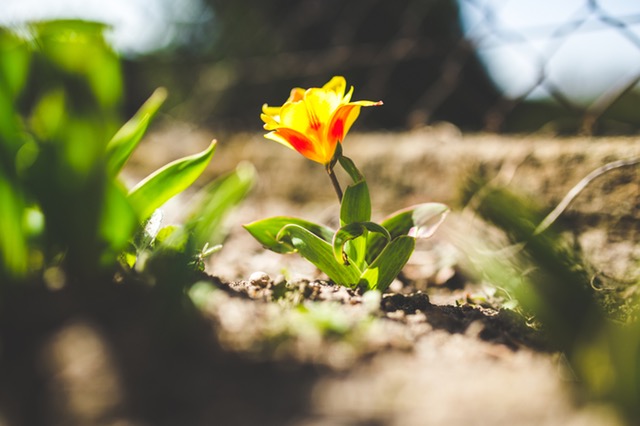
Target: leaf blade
<point x="127" y="138"/>
<point x="423" y="218"/>
<point x="265" y="231"/>
<point x="219" y="197"/>
<point x="356" y="204"/>
<point x="352" y="231"/>
<point x="320" y="253"/>
<point x="168" y="181"/>
<point x="386" y="267"/>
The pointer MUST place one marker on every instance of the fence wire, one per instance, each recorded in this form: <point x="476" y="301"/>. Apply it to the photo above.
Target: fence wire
<point x="420" y="57"/>
<point x="589" y="17"/>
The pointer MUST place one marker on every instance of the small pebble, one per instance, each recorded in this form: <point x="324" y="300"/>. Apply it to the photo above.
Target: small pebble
<point x="260" y="278"/>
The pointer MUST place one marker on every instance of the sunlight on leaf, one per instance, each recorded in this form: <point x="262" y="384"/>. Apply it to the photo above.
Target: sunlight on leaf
<point x="320" y="253"/>
<point x="386" y="267"/>
<point x="217" y="199"/>
<point x="352" y="231"/>
<point x="170" y="180"/>
<point x="356" y="204"/>
<point x="266" y="232"/>
<point x="124" y="142"/>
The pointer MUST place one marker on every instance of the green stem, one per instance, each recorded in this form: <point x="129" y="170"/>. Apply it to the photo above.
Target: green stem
<point x="334" y="181"/>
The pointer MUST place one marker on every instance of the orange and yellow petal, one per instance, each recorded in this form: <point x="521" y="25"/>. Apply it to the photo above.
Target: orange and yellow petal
<point x="313" y="121"/>
<point x="336" y="85"/>
<point x="270" y="123"/>
<point x="297" y="93"/>
<point x="301" y="143"/>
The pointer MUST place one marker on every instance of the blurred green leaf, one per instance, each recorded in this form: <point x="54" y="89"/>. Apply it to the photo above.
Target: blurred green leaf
<point x="78" y="48"/>
<point x="15" y="57"/>
<point x="266" y="232"/>
<point x="118" y="222"/>
<point x="170" y="180"/>
<point x="386" y="267"/>
<point x="218" y="198"/>
<point x="125" y="141"/>
<point x="172" y="237"/>
<point x="13" y="244"/>
<point x="14" y="63"/>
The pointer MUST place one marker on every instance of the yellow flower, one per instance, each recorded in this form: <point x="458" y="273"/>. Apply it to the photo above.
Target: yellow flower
<point x="315" y="120"/>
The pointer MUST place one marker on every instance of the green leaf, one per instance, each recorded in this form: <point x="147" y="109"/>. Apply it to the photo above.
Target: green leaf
<point x="419" y="221"/>
<point x="267" y="230"/>
<point x="350" y="167"/>
<point x="124" y="142"/>
<point x="170" y="180"/>
<point x="356" y="204"/>
<point x="320" y="253"/>
<point x="386" y="267"/>
<point x="118" y="221"/>
<point x="350" y="232"/>
<point x="172" y="237"/>
<point x="218" y="198"/>
<point x="15" y="59"/>
<point x="13" y="240"/>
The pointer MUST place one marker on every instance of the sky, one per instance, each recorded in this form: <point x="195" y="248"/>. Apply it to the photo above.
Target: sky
<point x="517" y="39"/>
<point x="139" y="26"/>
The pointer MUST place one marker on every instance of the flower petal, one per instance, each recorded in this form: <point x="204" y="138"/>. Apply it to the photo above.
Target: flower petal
<point x="274" y="136"/>
<point x="297" y="93"/>
<point x="270" y="122"/>
<point x="341" y="121"/>
<point x="301" y="143"/>
<point x="344" y="117"/>
<point x="295" y="116"/>
<point x="337" y="85"/>
<point x="321" y="104"/>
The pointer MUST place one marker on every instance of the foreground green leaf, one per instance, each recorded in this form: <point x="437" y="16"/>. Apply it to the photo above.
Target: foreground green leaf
<point x="219" y="197"/>
<point x="124" y="142"/>
<point x="13" y="242"/>
<point x="170" y="180"/>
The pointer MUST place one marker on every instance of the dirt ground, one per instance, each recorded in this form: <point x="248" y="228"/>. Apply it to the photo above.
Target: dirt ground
<point x="276" y="344"/>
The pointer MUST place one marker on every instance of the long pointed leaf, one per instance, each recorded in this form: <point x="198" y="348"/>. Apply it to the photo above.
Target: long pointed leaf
<point x="421" y="220"/>
<point x="320" y="253"/>
<point x="267" y="230"/>
<point x="350" y="167"/>
<point x="356" y="204"/>
<point x="205" y="221"/>
<point x="386" y="267"/>
<point x="170" y="180"/>
<point x="123" y="143"/>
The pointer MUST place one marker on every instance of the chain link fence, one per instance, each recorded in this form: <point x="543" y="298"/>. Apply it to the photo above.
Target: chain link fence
<point x="591" y="20"/>
<point x="429" y="60"/>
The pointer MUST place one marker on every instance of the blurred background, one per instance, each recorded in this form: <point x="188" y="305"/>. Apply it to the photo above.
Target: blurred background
<point x="484" y="65"/>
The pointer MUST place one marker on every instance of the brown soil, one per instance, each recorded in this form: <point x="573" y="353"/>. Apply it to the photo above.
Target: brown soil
<point x="285" y="347"/>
